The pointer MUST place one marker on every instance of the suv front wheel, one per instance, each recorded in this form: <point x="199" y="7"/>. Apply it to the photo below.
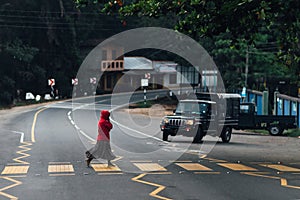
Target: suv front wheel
<point x="226" y="134"/>
<point x="199" y="135"/>
<point x="165" y="135"/>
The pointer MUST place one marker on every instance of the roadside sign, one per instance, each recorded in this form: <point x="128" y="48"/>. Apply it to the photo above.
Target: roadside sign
<point x="147" y="76"/>
<point x="74" y="81"/>
<point x="93" y="80"/>
<point x="144" y="82"/>
<point x="51" y="82"/>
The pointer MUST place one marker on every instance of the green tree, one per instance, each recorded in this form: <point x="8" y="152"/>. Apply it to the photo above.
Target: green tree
<point x="239" y="20"/>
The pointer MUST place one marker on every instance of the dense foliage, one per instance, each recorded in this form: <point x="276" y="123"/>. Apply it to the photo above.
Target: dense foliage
<point x="42" y="39"/>
<point x="265" y="31"/>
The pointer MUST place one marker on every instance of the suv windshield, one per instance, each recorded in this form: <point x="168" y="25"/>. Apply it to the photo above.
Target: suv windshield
<point x="192" y="108"/>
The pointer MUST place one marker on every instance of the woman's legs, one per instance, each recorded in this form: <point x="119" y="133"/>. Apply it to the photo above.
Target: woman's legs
<point x="90" y="157"/>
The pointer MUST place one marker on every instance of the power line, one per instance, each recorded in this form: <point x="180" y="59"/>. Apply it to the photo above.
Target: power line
<point x="263" y="53"/>
<point x="57" y="28"/>
<point x="60" y="23"/>
<point x="54" y="12"/>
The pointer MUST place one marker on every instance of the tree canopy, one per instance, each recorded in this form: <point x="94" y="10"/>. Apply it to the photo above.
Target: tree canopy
<point x="268" y="31"/>
<point x="42" y="39"/>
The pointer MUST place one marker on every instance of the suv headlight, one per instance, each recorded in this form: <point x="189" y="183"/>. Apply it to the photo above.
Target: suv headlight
<point x="165" y="120"/>
<point x="190" y="122"/>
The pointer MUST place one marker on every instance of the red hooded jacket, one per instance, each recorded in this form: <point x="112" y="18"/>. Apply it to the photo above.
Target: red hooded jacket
<point x="104" y="126"/>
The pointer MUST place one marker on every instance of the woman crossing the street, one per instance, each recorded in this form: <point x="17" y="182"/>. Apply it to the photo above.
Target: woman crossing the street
<point x="102" y="148"/>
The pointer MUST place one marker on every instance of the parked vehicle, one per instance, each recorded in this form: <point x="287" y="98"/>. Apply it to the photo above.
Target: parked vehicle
<point x="217" y="114"/>
<point x="248" y="119"/>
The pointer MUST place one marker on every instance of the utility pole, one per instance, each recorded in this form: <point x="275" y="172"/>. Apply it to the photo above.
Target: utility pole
<point x="247" y="66"/>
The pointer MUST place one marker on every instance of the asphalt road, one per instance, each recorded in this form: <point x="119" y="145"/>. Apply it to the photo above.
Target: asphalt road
<point x="42" y="157"/>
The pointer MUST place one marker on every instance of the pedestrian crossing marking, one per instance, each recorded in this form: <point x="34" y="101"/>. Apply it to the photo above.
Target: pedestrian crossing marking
<point x="237" y="167"/>
<point x="215" y="160"/>
<point x="193" y="167"/>
<point x="147" y="167"/>
<point x="59" y="163"/>
<point x="62" y="174"/>
<point x="110" y="173"/>
<point x="60" y="168"/>
<point x="282" y="168"/>
<point x="15" y="170"/>
<point x="105" y="168"/>
<point x="209" y="173"/>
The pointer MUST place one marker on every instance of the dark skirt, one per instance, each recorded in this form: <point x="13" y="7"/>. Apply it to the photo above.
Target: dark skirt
<point x="101" y="150"/>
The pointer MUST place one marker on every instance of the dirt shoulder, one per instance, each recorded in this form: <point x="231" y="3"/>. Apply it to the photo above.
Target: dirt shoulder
<point x="6" y="114"/>
<point x="156" y="110"/>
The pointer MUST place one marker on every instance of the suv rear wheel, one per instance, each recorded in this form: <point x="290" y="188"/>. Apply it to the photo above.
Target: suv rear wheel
<point x="275" y="130"/>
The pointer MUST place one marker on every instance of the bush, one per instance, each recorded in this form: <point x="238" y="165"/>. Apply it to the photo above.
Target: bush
<point x="6" y="99"/>
<point x="293" y="133"/>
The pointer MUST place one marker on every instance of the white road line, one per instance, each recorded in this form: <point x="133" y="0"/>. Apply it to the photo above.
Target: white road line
<point x="74" y="124"/>
<point x="128" y="128"/>
<point x="22" y="135"/>
<point x="88" y="137"/>
<point x="141" y="133"/>
<point x="115" y="122"/>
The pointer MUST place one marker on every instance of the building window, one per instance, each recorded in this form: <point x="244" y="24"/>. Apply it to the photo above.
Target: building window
<point x="104" y="65"/>
<point x="173" y="79"/>
<point x="114" y="54"/>
<point x="108" y="81"/>
<point x="104" y="55"/>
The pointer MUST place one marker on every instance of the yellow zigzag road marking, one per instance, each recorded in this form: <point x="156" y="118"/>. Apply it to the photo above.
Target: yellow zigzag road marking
<point x="155" y="192"/>
<point x="283" y="181"/>
<point x="21" y="152"/>
<point x="16" y="183"/>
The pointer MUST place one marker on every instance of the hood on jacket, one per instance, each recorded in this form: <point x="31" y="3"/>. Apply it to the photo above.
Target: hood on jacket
<point x="105" y="114"/>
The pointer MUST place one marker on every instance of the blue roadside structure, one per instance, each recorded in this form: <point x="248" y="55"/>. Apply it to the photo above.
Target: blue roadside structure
<point x="284" y="106"/>
<point x="289" y="106"/>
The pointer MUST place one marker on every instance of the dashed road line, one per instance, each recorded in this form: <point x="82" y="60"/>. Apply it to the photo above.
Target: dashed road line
<point x="237" y="167"/>
<point x="193" y="167"/>
<point x="215" y="160"/>
<point x="207" y="173"/>
<point x="105" y="168"/>
<point x="149" y="167"/>
<point x="59" y="163"/>
<point x="68" y="174"/>
<point x="15" y="170"/>
<point x="60" y="168"/>
<point x="282" y="168"/>
<point x="108" y="173"/>
<point x="141" y="161"/>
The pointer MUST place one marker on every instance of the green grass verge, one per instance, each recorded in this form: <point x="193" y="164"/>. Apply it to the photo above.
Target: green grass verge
<point x="289" y="133"/>
<point x="293" y="132"/>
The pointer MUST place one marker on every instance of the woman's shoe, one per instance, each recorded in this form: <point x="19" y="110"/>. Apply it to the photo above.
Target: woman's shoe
<point x="109" y="164"/>
<point x="88" y="161"/>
